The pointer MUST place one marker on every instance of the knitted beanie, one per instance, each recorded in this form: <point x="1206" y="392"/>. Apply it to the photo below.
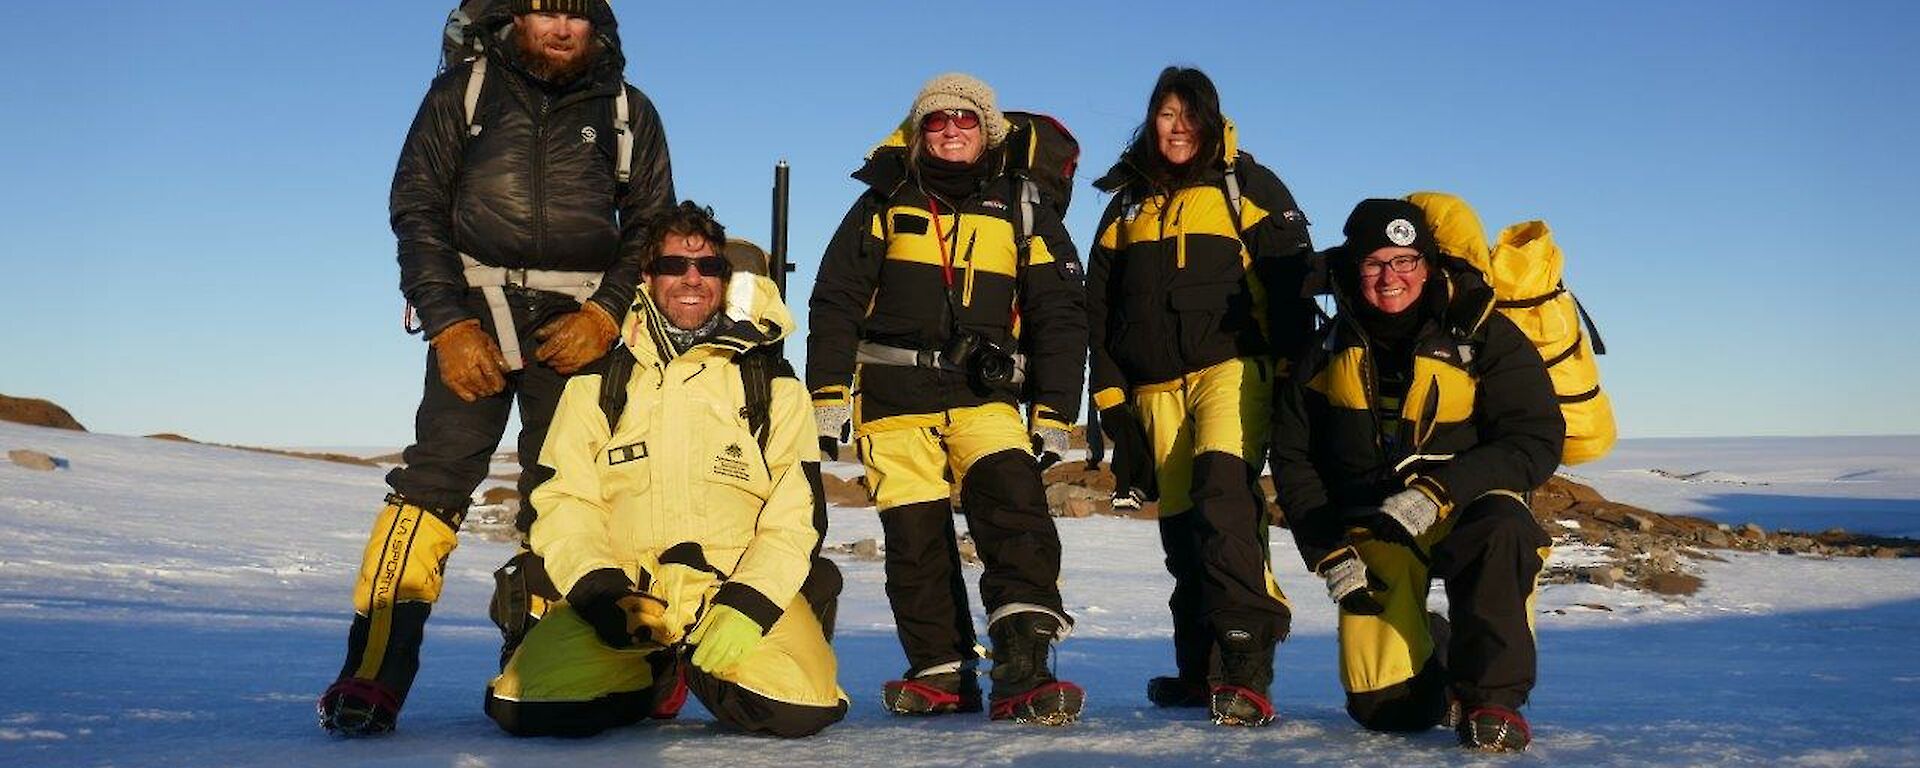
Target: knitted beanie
<point x="960" y="91"/>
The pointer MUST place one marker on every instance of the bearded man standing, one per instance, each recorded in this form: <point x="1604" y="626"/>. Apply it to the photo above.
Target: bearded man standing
<point x="520" y="236"/>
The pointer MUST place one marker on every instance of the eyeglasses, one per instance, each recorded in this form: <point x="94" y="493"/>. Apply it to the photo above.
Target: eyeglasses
<point x="1401" y="264"/>
<point x="671" y="265"/>
<point x="962" y="119"/>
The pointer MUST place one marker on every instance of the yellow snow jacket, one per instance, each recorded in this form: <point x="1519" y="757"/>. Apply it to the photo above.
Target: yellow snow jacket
<point x="680" y="495"/>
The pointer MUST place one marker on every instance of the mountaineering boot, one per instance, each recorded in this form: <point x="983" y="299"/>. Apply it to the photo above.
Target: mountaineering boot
<point x="1493" y="728"/>
<point x="934" y="693"/>
<point x="1173" y="691"/>
<point x="1024" y="688"/>
<point x="1246" y="671"/>
<point x="353" y="707"/>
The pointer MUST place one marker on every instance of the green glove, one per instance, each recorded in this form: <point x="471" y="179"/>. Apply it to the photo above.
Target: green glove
<point x="724" y="637"/>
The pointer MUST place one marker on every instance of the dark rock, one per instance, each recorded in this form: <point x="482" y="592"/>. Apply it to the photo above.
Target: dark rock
<point x="500" y="494"/>
<point x="866" y="549"/>
<point x="845" y="493"/>
<point x="1671" y="583"/>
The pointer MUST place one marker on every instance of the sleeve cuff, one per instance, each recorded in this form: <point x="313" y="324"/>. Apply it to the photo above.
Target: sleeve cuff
<point x="750" y="603"/>
<point x="1046" y="418"/>
<point x="834" y="395"/>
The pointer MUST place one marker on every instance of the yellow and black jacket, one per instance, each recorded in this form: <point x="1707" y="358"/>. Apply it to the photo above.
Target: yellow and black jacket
<point x="680" y="495"/>
<point x="882" y="280"/>
<point x="1479" y="416"/>
<point x="1175" y="284"/>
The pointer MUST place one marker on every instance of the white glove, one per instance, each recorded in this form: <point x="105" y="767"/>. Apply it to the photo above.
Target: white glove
<point x="1049" y="445"/>
<point x="832" y="420"/>
<point x="1412" y="509"/>
<point x="1349" y="581"/>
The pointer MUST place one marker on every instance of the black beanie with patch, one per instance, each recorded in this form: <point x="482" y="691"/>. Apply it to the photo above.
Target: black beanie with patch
<point x="1381" y="223"/>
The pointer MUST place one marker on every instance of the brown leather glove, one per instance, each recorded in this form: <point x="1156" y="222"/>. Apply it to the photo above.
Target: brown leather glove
<point x="470" y="362"/>
<point x="576" y="338"/>
<point x="646" y="616"/>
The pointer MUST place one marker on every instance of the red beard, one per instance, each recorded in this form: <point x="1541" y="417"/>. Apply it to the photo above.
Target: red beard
<point x="552" y="67"/>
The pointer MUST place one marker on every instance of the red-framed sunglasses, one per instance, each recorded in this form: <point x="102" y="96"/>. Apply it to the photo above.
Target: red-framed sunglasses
<point x="671" y="265"/>
<point x="936" y="121"/>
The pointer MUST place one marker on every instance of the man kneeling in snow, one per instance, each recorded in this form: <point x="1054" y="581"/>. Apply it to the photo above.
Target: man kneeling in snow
<point x="674" y="523"/>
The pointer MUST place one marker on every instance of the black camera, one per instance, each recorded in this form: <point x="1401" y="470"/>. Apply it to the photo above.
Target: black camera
<point x="987" y="363"/>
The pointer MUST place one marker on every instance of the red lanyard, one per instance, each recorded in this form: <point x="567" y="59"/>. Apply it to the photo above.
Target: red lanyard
<point x="946" y="262"/>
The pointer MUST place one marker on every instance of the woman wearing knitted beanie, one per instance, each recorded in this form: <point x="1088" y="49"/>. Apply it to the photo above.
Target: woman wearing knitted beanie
<point x="1193" y="298"/>
<point x="931" y="325"/>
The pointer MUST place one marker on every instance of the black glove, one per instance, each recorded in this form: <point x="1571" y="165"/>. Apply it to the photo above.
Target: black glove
<point x="607" y="600"/>
<point x="1132" y="453"/>
<point x="830" y="448"/>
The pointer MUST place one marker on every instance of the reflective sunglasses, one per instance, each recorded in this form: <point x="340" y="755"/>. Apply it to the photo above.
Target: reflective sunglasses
<point x="671" y="265"/>
<point x="937" y="120"/>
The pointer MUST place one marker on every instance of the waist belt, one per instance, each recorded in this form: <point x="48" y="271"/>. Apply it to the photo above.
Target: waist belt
<point x="492" y="282"/>
<point x="875" y="353"/>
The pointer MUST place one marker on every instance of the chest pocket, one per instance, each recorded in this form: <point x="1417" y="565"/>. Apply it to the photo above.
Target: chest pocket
<point x="1440" y="394"/>
<point x="732" y="471"/>
<point x="629" y="457"/>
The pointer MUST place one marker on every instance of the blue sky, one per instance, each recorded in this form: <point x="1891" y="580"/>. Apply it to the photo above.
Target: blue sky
<point x="193" y="232"/>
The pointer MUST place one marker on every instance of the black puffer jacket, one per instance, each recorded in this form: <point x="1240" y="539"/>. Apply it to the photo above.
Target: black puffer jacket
<point x="534" y="189"/>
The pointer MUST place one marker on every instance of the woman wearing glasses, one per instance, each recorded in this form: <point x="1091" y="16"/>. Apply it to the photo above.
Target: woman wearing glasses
<point x="1403" y="447"/>
<point x="931" y="325"/>
<point x="1193" y="295"/>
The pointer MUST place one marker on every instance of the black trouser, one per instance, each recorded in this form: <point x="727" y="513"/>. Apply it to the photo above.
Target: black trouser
<point x="453" y="449"/>
<point x="1217" y="554"/>
<point x="1006" y="511"/>
<point x="454" y="440"/>
<point x="1490" y="562"/>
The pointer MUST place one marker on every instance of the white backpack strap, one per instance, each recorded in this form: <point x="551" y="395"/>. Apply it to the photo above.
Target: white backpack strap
<point x="623" y="133"/>
<point x="1233" y="196"/>
<point x="1029" y="196"/>
<point x="475" y="78"/>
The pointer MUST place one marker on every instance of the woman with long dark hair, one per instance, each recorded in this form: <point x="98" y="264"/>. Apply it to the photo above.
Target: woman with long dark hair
<point x="1193" y="296"/>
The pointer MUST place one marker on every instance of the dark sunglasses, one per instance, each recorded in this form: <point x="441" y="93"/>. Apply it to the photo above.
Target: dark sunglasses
<point x="709" y="266"/>
<point x="937" y="120"/>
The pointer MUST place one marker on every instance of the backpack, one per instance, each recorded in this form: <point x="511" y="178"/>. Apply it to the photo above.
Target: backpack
<point x="463" y="40"/>
<point x="1524" y="268"/>
<point x="1041" y="158"/>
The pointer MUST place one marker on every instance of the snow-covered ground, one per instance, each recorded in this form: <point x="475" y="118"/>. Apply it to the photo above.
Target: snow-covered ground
<point x="174" y="604"/>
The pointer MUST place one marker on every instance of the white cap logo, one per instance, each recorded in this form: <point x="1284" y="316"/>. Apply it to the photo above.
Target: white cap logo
<point x="588" y="134"/>
<point x="1400" y="232"/>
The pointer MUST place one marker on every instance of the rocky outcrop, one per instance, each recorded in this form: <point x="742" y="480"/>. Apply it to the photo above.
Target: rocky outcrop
<point x="37" y="412"/>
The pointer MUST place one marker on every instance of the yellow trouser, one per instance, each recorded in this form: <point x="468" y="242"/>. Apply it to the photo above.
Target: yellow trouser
<point x="562" y="660"/>
<point x="1224" y="407"/>
<point x="910" y="458"/>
